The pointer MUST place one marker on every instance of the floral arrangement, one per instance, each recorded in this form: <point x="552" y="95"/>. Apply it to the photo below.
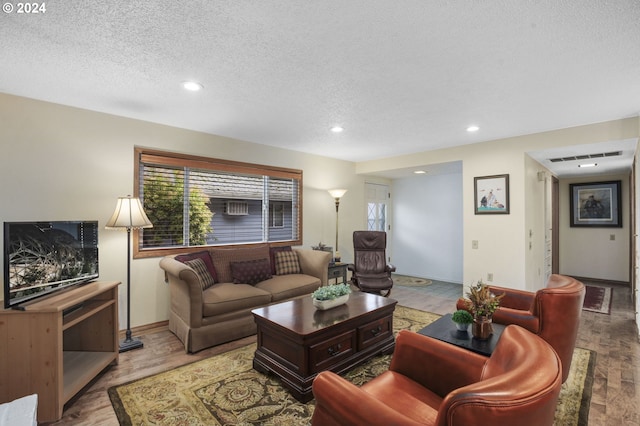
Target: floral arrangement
<point x="462" y="317"/>
<point x="482" y="302"/>
<point x="331" y="291"/>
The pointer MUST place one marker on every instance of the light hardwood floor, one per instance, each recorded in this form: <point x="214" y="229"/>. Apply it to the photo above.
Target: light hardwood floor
<point x="616" y="389"/>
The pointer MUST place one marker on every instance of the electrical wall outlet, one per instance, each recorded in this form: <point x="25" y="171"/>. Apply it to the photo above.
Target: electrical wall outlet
<point x="474" y="244"/>
<point x="490" y="276"/>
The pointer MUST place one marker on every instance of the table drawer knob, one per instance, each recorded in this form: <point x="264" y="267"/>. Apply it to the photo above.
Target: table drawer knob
<point x="334" y="350"/>
<point x="377" y="330"/>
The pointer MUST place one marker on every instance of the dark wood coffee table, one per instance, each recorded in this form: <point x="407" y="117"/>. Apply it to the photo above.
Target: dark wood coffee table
<point x="444" y="329"/>
<point x="296" y="341"/>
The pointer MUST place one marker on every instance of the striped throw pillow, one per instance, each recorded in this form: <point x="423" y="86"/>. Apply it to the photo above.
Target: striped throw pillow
<point x="198" y="265"/>
<point x="287" y="263"/>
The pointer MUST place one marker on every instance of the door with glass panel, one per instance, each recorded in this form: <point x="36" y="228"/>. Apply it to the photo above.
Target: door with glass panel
<point x="377" y="199"/>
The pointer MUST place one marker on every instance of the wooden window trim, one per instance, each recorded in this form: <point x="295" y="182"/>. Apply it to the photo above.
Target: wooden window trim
<point x="165" y="158"/>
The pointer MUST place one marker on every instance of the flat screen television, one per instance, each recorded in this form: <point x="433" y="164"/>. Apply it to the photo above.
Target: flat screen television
<point x="41" y="258"/>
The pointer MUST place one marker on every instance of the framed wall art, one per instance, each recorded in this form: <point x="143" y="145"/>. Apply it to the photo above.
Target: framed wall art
<point x="596" y="204"/>
<point x="491" y="194"/>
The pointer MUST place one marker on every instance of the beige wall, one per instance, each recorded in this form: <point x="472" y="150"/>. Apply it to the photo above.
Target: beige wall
<point x="63" y="163"/>
<point x="504" y="240"/>
<point x="635" y="278"/>
<point x="536" y="223"/>
<point x="590" y="252"/>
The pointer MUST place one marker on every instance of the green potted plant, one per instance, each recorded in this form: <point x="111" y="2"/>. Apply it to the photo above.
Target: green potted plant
<point x="462" y="319"/>
<point x="330" y="296"/>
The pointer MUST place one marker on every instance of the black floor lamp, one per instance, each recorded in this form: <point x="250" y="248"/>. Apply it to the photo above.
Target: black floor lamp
<point x="129" y="215"/>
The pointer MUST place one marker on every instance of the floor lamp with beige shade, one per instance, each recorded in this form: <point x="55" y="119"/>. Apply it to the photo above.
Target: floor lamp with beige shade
<point x="129" y="215"/>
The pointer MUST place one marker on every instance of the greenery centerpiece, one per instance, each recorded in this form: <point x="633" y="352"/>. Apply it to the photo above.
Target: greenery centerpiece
<point x="482" y="303"/>
<point x="332" y="295"/>
<point x="462" y="319"/>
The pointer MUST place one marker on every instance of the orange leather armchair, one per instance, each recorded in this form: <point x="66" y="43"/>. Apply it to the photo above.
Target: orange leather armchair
<point x="552" y="313"/>
<point x="430" y="382"/>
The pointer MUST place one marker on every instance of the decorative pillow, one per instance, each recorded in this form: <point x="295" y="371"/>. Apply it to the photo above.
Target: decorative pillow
<point x="251" y="271"/>
<point x="287" y="263"/>
<point x="198" y="265"/>
<point x="222" y="257"/>
<point x="206" y="258"/>
<point x="272" y="256"/>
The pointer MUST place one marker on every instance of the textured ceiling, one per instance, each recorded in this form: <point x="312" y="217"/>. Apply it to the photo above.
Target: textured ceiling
<point x="400" y="77"/>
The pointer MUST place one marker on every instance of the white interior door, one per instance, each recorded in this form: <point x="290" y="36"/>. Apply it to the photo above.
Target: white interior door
<point x="377" y="199"/>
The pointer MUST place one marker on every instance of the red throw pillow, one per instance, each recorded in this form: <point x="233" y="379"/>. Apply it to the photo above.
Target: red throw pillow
<point x="206" y="258"/>
<point x="250" y="271"/>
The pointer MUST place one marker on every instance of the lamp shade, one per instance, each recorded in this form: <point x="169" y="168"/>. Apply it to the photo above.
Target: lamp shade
<point x="129" y="214"/>
<point x="337" y="193"/>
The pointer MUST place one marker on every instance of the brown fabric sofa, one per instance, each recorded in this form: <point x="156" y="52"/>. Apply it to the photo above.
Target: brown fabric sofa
<point x="202" y="317"/>
<point x="430" y="382"/>
<point x="552" y="313"/>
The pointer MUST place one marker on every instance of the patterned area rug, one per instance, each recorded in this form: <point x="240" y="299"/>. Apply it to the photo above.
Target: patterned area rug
<point x="407" y="281"/>
<point x="597" y="299"/>
<point x="225" y="390"/>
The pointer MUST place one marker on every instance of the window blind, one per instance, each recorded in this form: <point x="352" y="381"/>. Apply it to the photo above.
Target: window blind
<point x="185" y="198"/>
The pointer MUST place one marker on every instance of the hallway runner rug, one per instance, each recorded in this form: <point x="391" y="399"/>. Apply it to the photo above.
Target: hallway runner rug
<point x="597" y="299"/>
<point x="226" y="390"/>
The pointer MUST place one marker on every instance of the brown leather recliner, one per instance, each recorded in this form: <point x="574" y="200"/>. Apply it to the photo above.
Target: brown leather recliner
<point x="370" y="271"/>
<point x="430" y="382"/>
<point x="552" y="313"/>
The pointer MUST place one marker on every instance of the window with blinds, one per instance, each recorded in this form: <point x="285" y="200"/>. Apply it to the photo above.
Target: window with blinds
<point x="197" y="201"/>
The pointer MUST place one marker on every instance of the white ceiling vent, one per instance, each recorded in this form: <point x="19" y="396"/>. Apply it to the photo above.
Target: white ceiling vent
<point x="237" y="208"/>
<point x="586" y="156"/>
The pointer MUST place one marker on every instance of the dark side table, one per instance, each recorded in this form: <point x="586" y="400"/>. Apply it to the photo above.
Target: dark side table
<point x="445" y="329"/>
<point x="337" y="270"/>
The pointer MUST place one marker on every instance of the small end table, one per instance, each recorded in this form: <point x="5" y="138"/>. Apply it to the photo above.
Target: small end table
<point x="337" y="270"/>
<point x="445" y="329"/>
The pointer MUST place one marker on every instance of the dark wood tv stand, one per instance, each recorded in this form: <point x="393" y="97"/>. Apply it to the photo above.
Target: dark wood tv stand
<point x="54" y="355"/>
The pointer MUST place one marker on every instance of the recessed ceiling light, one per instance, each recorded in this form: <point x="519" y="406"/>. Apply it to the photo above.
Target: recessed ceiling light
<point x="471" y="129"/>
<point x="192" y="86"/>
<point x="588" y="165"/>
<point x="337" y="129"/>
<point x="420" y="172"/>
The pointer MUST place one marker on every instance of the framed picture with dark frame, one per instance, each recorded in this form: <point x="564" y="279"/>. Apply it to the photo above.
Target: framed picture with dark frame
<point x="491" y="194"/>
<point x="596" y="204"/>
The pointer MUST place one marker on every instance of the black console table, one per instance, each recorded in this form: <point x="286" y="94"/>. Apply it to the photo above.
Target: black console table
<point x="445" y="329"/>
<point x="337" y="270"/>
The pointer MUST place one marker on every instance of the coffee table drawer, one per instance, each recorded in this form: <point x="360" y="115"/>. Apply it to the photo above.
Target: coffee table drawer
<point x="324" y="355"/>
<point x="375" y="331"/>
